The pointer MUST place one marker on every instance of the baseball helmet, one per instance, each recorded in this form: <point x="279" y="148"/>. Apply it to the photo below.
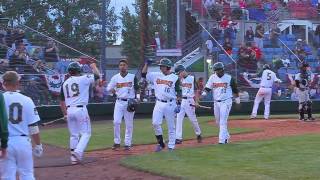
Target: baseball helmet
<point x="165" y="62"/>
<point x="179" y="68"/>
<point x="266" y="66"/>
<point x="218" y="66"/>
<point x="74" y="68"/>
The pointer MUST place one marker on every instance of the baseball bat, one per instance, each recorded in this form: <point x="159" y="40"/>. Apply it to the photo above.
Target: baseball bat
<point x="51" y="122"/>
<point x="200" y="106"/>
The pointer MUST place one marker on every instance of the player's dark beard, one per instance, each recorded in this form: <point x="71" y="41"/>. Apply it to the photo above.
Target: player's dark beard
<point x="123" y="72"/>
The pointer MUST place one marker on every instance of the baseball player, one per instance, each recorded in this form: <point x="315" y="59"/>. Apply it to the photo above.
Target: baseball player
<point x="125" y="86"/>
<point x="3" y="128"/>
<point x="188" y="103"/>
<point x="74" y="99"/>
<point x="302" y="82"/>
<point x="167" y="89"/>
<point x="265" y="92"/>
<point x="22" y="123"/>
<point x="222" y="86"/>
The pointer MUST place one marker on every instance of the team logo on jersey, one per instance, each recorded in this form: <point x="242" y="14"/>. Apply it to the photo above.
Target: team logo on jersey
<point x="217" y="85"/>
<point x="165" y="82"/>
<point x="186" y="85"/>
<point x="124" y="84"/>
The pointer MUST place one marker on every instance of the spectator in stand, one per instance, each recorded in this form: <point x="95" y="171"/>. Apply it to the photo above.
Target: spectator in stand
<point x="20" y="55"/>
<point x="228" y="46"/>
<point x="224" y="21"/>
<point x="200" y="84"/>
<point x="51" y="52"/>
<point x="259" y="35"/>
<point x="216" y="33"/>
<point x="317" y="36"/>
<point x="209" y="3"/>
<point x="249" y="37"/>
<point x="275" y="33"/>
<point x="9" y="37"/>
<point x="258" y="55"/>
<point x="209" y="46"/>
<point x="299" y="50"/>
<point x="99" y="91"/>
<point x="229" y="31"/>
<point x="3" y="34"/>
<point x="246" y="58"/>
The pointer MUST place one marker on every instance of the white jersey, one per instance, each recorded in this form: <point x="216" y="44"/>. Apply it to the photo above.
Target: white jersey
<point x="76" y="89"/>
<point x="187" y="86"/>
<point x="268" y="78"/>
<point x="221" y="87"/>
<point x="164" y="85"/>
<point x="124" y="86"/>
<point x="21" y="112"/>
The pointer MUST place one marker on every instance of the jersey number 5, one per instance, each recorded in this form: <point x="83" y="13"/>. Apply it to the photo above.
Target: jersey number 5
<point x="18" y="108"/>
<point x="268" y="76"/>
<point x="74" y="89"/>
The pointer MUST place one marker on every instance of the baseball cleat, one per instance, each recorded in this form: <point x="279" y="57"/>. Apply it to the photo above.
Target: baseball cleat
<point x="158" y="148"/>
<point x="225" y="142"/>
<point x="199" y="139"/>
<point x="76" y="156"/>
<point x="253" y="117"/>
<point x="73" y="160"/>
<point x="178" y="141"/>
<point x="311" y="119"/>
<point x="116" y="147"/>
<point x="127" y="148"/>
<point x="170" y="149"/>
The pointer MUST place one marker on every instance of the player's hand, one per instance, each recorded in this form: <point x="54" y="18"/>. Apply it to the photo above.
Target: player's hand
<point x="3" y="153"/>
<point x="237" y="100"/>
<point x="204" y="93"/>
<point x="177" y="109"/>
<point x="38" y="150"/>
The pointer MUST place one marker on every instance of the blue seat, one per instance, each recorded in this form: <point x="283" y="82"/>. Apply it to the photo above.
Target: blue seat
<point x="224" y="59"/>
<point x="318" y="51"/>
<point x="291" y="37"/>
<point x="283" y="37"/>
<point x="277" y="50"/>
<point x="292" y="70"/>
<point x="311" y="58"/>
<point x="282" y="74"/>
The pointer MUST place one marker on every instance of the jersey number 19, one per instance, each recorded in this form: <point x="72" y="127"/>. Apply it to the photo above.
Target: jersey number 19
<point x="74" y="90"/>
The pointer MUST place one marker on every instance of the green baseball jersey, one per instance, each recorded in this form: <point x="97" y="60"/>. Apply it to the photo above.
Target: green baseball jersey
<point x="3" y="123"/>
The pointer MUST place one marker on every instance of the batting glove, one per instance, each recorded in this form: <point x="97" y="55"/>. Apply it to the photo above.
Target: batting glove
<point x="237" y="100"/>
<point x="177" y="109"/>
<point x="38" y="150"/>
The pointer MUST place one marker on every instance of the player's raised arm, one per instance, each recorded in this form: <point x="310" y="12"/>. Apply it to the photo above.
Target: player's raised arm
<point x="3" y="127"/>
<point x="95" y="71"/>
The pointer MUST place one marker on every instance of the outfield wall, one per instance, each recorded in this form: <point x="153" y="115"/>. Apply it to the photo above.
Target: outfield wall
<point x="277" y="107"/>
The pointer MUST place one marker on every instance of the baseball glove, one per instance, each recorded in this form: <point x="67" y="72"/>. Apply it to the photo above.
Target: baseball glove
<point x="132" y="105"/>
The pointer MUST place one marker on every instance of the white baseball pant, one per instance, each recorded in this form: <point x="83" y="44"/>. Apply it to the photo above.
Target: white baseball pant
<point x="221" y="113"/>
<point x="303" y="96"/>
<point x="191" y="113"/>
<point x="19" y="159"/>
<point x="166" y="110"/>
<point x="79" y="128"/>
<point x="263" y="93"/>
<point x="120" y="111"/>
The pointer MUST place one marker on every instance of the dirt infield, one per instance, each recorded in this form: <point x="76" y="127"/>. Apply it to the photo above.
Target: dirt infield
<point x="105" y="163"/>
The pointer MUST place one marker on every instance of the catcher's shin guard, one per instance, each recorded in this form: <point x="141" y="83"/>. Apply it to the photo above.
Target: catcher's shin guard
<point x="301" y="110"/>
<point x="309" y="109"/>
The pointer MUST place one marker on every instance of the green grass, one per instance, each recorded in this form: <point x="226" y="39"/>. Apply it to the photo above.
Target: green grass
<point x="102" y="133"/>
<point x="283" y="158"/>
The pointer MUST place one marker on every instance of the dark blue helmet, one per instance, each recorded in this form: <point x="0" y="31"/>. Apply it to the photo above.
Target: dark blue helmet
<point x="74" y="68"/>
<point x="179" y="68"/>
<point x="218" y="66"/>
